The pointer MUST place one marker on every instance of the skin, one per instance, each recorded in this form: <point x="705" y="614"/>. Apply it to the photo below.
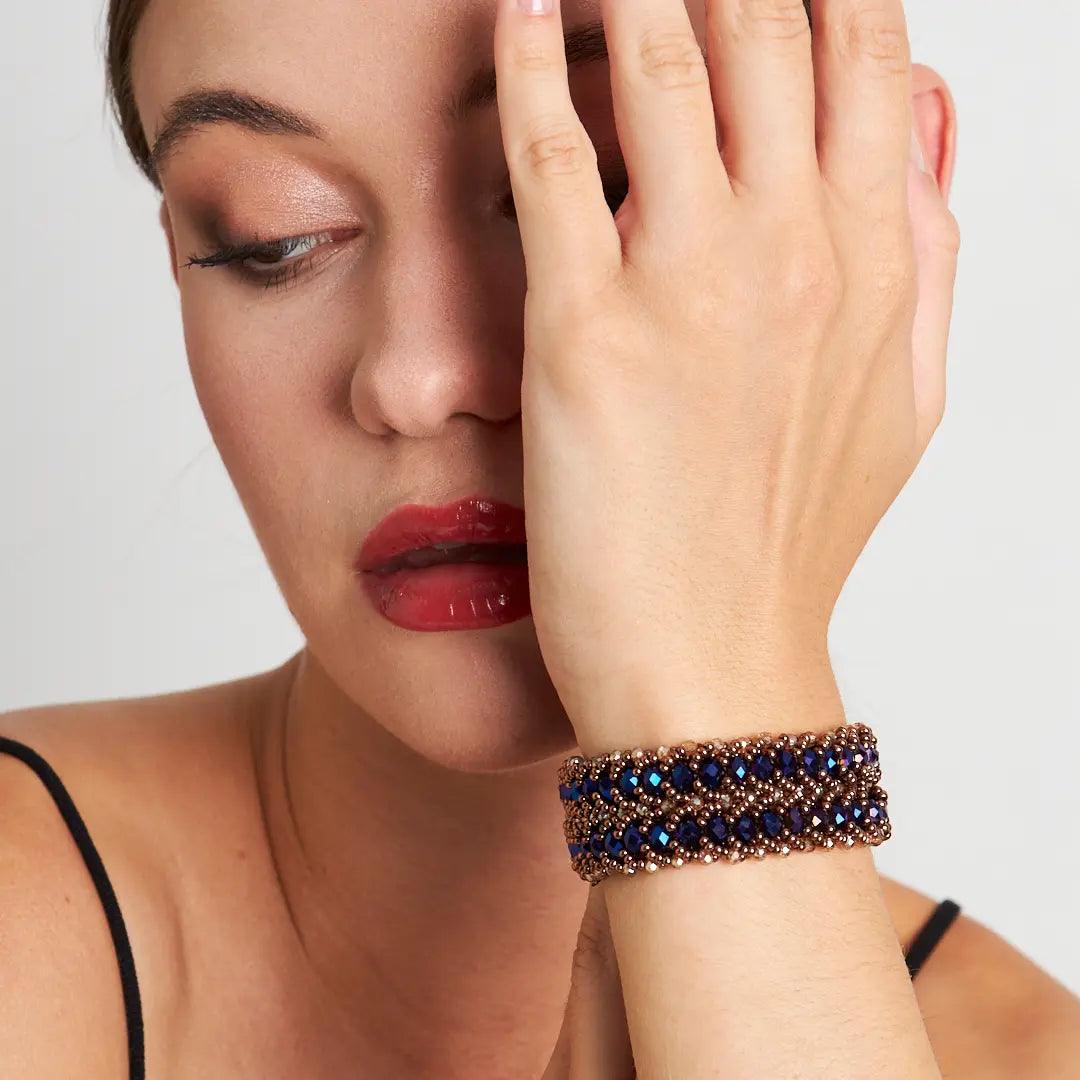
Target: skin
<point x="795" y="395"/>
<point x="292" y="915"/>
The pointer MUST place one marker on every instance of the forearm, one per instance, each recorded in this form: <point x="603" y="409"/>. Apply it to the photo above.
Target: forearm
<point x="724" y="387"/>
<point x="771" y="968"/>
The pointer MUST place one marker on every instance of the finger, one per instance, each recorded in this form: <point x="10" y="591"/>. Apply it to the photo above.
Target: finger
<point x="663" y="111"/>
<point x="566" y="225"/>
<point x="763" y="86"/>
<point x="862" y="61"/>
<point x="594" y="1041"/>
<point x="937" y="243"/>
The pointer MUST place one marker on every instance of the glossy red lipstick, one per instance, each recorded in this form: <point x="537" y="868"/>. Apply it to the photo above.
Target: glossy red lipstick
<point x="460" y="566"/>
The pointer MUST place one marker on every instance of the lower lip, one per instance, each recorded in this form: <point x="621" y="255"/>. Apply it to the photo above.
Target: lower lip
<point x="452" y="596"/>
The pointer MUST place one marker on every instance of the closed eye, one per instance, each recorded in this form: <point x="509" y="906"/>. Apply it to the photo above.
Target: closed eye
<point x="275" y="262"/>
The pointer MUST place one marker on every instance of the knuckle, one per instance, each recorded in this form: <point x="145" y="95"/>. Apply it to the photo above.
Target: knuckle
<point x="556" y="146"/>
<point x="575" y="330"/>
<point x="532" y="55"/>
<point x="810" y="278"/>
<point x="948" y="234"/>
<point x="564" y="315"/>
<point x="672" y="58"/>
<point x="593" y="954"/>
<point x="773" y="19"/>
<point x="569" y="321"/>
<point x="872" y="33"/>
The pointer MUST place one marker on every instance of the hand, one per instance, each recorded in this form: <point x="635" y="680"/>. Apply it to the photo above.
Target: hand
<point x="727" y="384"/>
<point x="593" y="1043"/>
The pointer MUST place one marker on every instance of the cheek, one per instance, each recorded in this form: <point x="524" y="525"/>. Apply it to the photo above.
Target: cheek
<point x="275" y="397"/>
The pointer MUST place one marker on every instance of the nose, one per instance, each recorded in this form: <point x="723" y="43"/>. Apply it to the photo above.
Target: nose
<point x="444" y="326"/>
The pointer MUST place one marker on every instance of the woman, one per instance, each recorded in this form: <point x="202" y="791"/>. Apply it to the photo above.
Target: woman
<point x="737" y="311"/>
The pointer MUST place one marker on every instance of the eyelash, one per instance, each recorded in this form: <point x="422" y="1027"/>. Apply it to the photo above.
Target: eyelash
<point x="235" y="256"/>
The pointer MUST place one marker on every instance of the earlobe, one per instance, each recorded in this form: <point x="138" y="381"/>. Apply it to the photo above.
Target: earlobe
<point x="166" y="224"/>
<point x="934" y="119"/>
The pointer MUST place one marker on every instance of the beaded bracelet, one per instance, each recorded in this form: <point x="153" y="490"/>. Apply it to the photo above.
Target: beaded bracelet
<point x="769" y="794"/>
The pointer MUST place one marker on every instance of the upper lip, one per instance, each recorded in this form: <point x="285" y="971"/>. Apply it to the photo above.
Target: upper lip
<point x="473" y="519"/>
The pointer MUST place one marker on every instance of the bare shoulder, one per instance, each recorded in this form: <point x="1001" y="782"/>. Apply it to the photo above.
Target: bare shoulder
<point x="991" y="1012"/>
<point x="139" y="772"/>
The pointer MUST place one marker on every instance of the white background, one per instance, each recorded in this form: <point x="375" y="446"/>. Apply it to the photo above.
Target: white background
<point x="128" y="567"/>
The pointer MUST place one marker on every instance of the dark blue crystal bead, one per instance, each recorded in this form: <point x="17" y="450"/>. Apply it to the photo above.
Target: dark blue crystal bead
<point x="718" y="829"/>
<point x="709" y="772"/>
<point x="811" y="759"/>
<point x="738" y="768"/>
<point x="819" y="818"/>
<point x="659" y="836"/>
<point x="633" y="838"/>
<point x="832" y="761"/>
<point x="795" y="820"/>
<point x="838" y="816"/>
<point x="763" y="767"/>
<point x="787" y="762"/>
<point x="596" y="844"/>
<point x="613" y="845"/>
<point x="682" y="777"/>
<point x="688" y="833"/>
<point x="591" y="785"/>
<point x="628" y="781"/>
<point x="771" y="823"/>
<point x="869" y="755"/>
<point x="574" y="849"/>
<point x="857" y="813"/>
<point x="606" y="785"/>
<point x="847" y="757"/>
<point x="746" y="829"/>
<point x="651" y="781"/>
<point x="564" y="793"/>
<point x="875" y="813"/>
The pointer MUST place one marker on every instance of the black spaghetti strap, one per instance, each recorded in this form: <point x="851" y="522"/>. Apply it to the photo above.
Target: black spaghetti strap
<point x="931" y="933"/>
<point x="75" y="823"/>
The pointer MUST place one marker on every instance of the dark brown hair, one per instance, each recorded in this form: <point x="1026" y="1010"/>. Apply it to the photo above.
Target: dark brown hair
<point x="123" y="21"/>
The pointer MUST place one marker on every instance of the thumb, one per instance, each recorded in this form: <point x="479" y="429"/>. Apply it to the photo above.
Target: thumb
<point x="593" y="1041"/>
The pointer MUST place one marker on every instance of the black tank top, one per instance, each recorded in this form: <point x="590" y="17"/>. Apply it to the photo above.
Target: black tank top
<point x="916" y="954"/>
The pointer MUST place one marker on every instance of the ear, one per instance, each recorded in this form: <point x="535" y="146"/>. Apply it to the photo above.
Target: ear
<point x="934" y="120"/>
<point x="166" y="224"/>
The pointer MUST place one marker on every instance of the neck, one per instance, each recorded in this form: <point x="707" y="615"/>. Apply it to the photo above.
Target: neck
<point x="435" y="909"/>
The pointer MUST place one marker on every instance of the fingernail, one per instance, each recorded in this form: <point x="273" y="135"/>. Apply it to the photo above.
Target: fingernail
<point x="536" y="7"/>
<point x="918" y="159"/>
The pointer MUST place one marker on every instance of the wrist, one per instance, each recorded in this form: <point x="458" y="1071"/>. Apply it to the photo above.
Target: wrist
<point x="780" y="688"/>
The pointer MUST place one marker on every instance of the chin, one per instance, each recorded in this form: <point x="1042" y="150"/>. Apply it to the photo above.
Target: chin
<point x="469" y="700"/>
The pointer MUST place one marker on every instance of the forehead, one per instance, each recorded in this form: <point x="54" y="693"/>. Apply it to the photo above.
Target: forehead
<point x="326" y="58"/>
<point x="329" y="59"/>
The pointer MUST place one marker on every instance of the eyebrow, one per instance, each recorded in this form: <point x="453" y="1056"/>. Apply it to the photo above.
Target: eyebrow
<point x="201" y="108"/>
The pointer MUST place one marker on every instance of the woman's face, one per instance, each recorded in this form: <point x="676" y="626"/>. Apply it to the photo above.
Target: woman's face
<point x="380" y="361"/>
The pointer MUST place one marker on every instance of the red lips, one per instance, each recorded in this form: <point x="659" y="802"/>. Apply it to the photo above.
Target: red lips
<point x="448" y="595"/>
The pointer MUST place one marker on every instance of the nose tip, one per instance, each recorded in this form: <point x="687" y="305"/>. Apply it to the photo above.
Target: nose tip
<point x="413" y="394"/>
<point x="445" y="329"/>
